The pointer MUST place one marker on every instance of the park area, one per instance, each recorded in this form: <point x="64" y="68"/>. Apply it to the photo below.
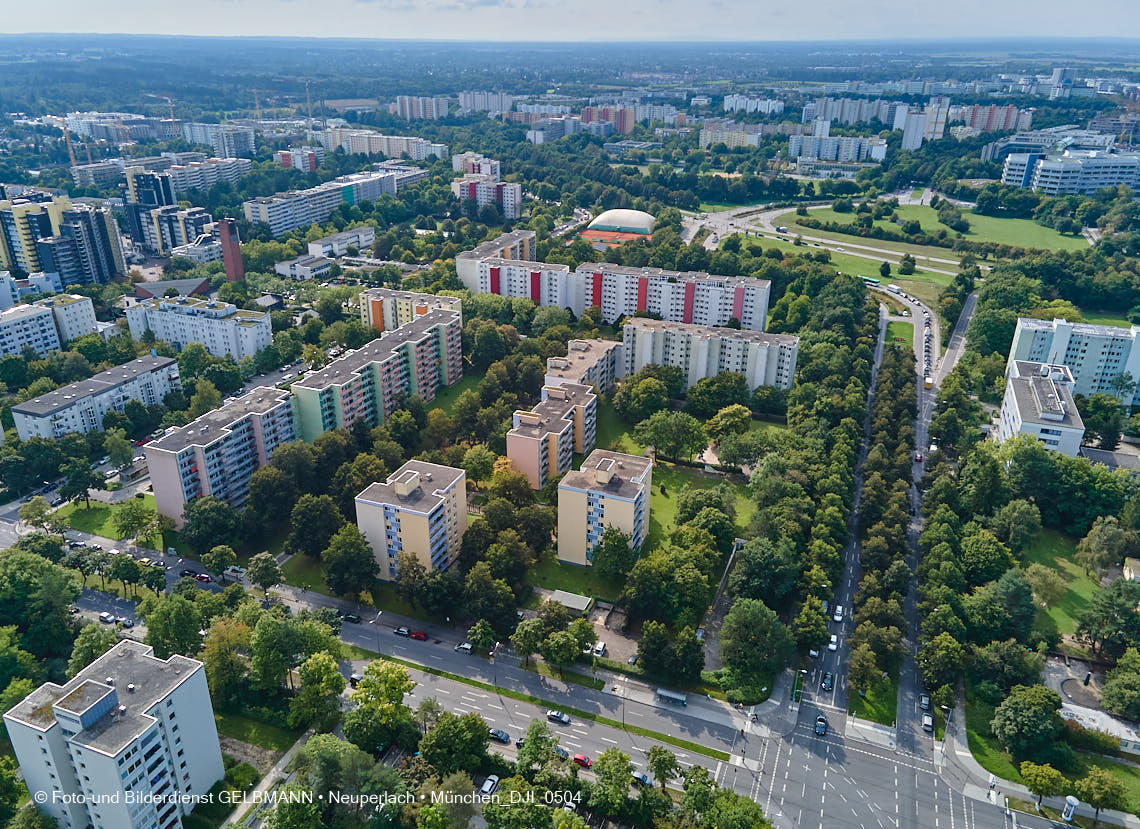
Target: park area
<point x="1058" y="551"/>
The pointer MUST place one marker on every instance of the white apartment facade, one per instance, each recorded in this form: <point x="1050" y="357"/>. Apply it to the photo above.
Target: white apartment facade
<point x="366" y="142"/>
<point x="28" y="326"/>
<point x="1038" y="402"/>
<point x="705" y="351"/>
<point x="74" y="315"/>
<point x="128" y="743"/>
<point x="224" y="329"/>
<point x="79" y="407"/>
<point x="360" y="237"/>
<point x="476" y="164"/>
<point x="594" y="362"/>
<point x="484" y="189"/>
<point x="294" y="209"/>
<point x="1095" y="354"/>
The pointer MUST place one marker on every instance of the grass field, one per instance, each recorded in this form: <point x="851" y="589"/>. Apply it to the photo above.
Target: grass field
<point x="923" y="254"/>
<point x="848" y="262"/>
<point x="917" y="192"/>
<point x="880" y="703"/>
<point x="766" y="426"/>
<point x="551" y="574"/>
<point x="272" y="737"/>
<point x="1105" y="318"/>
<point x="612" y="433"/>
<point x="446" y="399"/>
<point x="303" y="571"/>
<point x="901" y="331"/>
<point x="100" y="520"/>
<point x="668" y="480"/>
<point x="1055" y="550"/>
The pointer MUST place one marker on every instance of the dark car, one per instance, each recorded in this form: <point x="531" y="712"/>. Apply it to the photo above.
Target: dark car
<point x="125" y="622"/>
<point x="351" y="618"/>
<point x="402" y="631"/>
<point x="190" y="573"/>
<point x="924" y="702"/>
<point x="520" y="742"/>
<point x="76" y="545"/>
<point x="500" y="736"/>
<point x="561" y="753"/>
<point x="828" y="682"/>
<point x="820" y="726"/>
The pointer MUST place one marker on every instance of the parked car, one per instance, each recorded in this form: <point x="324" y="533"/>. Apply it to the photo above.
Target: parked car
<point x="632" y="660"/>
<point x="125" y="622"/>
<point x="144" y="561"/>
<point x="583" y="761"/>
<point x="418" y="635"/>
<point x="821" y="726"/>
<point x="600" y="649"/>
<point x="641" y="778"/>
<point x="838" y="615"/>
<point x="351" y="618"/>
<point x="355" y="679"/>
<point x="205" y="578"/>
<point x="924" y="702"/>
<point x="918" y="457"/>
<point x="927" y="723"/>
<point x="187" y="572"/>
<point x="558" y="717"/>
<point x="828" y="682"/>
<point x="500" y="736"/>
<point x="464" y="647"/>
<point x="489" y="785"/>
<point x="814" y="653"/>
<point x="75" y="545"/>
<point x="402" y="631"/>
<point x="561" y="753"/>
<point x="107" y="618"/>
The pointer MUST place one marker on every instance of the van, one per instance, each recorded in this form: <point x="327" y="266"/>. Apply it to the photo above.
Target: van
<point x="838" y="615"/>
<point x="600" y="649"/>
<point x="235" y="573"/>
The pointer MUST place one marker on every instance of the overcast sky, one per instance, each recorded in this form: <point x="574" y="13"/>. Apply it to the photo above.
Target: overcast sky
<point x="498" y="20"/>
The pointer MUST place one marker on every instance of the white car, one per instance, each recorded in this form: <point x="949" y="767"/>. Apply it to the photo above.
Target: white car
<point x="489" y="785"/>
<point x="833" y="645"/>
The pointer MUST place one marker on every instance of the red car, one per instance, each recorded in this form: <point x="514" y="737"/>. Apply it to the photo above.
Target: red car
<point x="583" y="761"/>
<point x="418" y="634"/>
<point x="203" y="577"/>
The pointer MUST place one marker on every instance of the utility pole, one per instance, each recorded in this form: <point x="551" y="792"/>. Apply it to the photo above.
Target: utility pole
<point x="309" y="109"/>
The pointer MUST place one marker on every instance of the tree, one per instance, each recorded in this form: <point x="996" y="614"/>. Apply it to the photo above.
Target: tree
<point x="662" y="764"/>
<point x="313" y="522"/>
<point x="733" y="419"/>
<point x="1101" y="789"/>
<point x="439" y="429"/>
<point x="1104" y="420"/>
<point x="672" y="433"/>
<point x="134" y="518"/>
<point x="457" y="742"/>
<point x="1017" y="524"/>
<point x="637" y="400"/>
<point x="527" y="638"/>
<point x="537" y="747"/>
<point x="1042" y="780"/>
<point x="1121" y="692"/>
<point x="294" y="809"/>
<point x="411" y="576"/>
<point x="120" y="449"/>
<point x="1027" y="720"/>
<point x="11" y="789"/>
<point x="863" y="670"/>
<point x="205" y="399"/>
<point x="941" y="660"/>
<point x="172" y="627"/>
<point x="614" y="556"/>
<point x="478" y="462"/>
<point x="350" y="566"/>
<point x="428" y="712"/>
<point x="264" y="571"/>
<point x="30" y="817"/>
<point x="1048" y="585"/>
<point x="481" y="635"/>
<point x="612" y="770"/>
<point x="318" y="701"/>
<point x="272" y="493"/>
<point x="752" y="639"/>
<point x="224" y="659"/>
<point x="885" y="269"/>
<point x="984" y="558"/>
<point x="208" y="521"/>
<point x="35" y="513"/>
<point x="906" y="264"/>
<point x="1104" y="545"/>
<point x="125" y="569"/>
<point x="536" y="525"/>
<point x="92" y="642"/>
<point x="560" y="649"/>
<point x="81" y="479"/>
<point x="217" y="559"/>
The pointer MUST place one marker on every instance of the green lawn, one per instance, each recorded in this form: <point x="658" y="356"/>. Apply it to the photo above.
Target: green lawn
<point x="446" y="398"/>
<point x="917" y="192"/>
<point x="100" y="520"/>
<point x="612" y="432"/>
<point x="1053" y="549"/>
<point x="303" y="571"/>
<point x="668" y="480"/>
<point x="1106" y="317"/>
<point x="767" y="426"/>
<point x="716" y="207"/>
<point x="857" y="265"/>
<point x="211" y="812"/>
<point x="921" y="253"/>
<point x="880" y="704"/>
<point x="272" y="737"/>
<point x="552" y="574"/>
<point x="925" y="287"/>
<point x="901" y="331"/>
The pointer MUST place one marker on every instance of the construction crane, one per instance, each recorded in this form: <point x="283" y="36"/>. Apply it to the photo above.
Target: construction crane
<point x="71" y="149"/>
<point x="169" y="103"/>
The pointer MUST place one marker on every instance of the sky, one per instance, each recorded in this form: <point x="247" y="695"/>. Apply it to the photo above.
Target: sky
<point x="575" y="20"/>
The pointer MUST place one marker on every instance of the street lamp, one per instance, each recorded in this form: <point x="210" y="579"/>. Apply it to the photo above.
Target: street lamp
<point x="375" y="622"/>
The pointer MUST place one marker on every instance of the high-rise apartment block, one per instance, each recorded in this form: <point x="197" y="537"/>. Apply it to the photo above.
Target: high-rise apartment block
<point x="543" y="441"/>
<point x="168" y="227"/>
<point x="485" y="102"/>
<point x="414" y="107"/>
<point x="1079" y="172"/>
<point x="1038" y="401"/>
<point x="128" y="743"/>
<point x="294" y="209"/>
<point x="913" y="125"/>
<point x="623" y="118"/>
<point x="599" y="363"/>
<point x="839" y="148"/>
<point x="610" y="490"/>
<point x="80" y="407"/>
<point x="475" y="164"/>
<point x="993" y="118"/>
<point x="937" y="111"/>
<point x="13" y="290"/>
<point x="28" y="326"/>
<point x="484" y="190"/>
<point x="42" y="233"/>
<point x="743" y="103"/>
<point x="202" y="175"/>
<point x="366" y="142"/>
<point x="1096" y="355"/>
<point x="370" y="382"/>
<point x="421" y="509"/>
<point x="705" y="351"/>
<point x="218" y="452"/>
<point x="387" y="308"/>
<point x="689" y="297"/>
<point x="305" y="159"/>
<point x="224" y="329"/>
<point x="228" y="140"/>
<point x="74" y="315"/>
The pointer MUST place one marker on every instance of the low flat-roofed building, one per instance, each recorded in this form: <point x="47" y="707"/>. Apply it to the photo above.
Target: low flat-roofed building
<point x="305" y="267"/>
<point x="543" y="441"/>
<point x="610" y="490"/>
<point x="420" y="509"/>
<point x="360" y="237"/>
<point x="28" y="326"/>
<point x="593" y="362"/>
<point x="1038" y="401"/>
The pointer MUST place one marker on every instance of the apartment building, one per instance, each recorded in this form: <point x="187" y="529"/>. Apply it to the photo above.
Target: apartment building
<point x="294" y="209"/>
<point x="485" y="102"/>
<point x="41" y="233"/>
<point x="228" y="140"/>
<point x="74" y="315"/>
<point x="165" y="228"/>
<point x="421" y="509"/>
<point x="599" y="363"/>
<point x="743" y="103"/>
<point x="305" y="159"/>
<point x="366" y="142"/>
<point x="361" y="237"/>
<point x="476" y="164"/>
<point x="224" y="329"/>
<point x="304" y="267"/>
<point x="416" y="107"/>
<point x="515" y="245"/>
<point x="542" y="442"/>
<point x="610" y="490"/>
<point x="1080" y="172"/>
<point x="110" y="171"/>
<point x="218" y="452"/>
<point x="1095" y="354"/>
<point x="1038" y="401"/>
<point x="28" y="326"/>
<point x="128" y="743"/>
<point x="992" y="118"/>
<point x="484" y="190"/>
<point x="386" y="308"/>
<point x="840" y="148"/>
<point x="79" y="407"/>
<point x="370" y="382"/>
<point x="202" y="175"/>
<point x="13" y="290"/>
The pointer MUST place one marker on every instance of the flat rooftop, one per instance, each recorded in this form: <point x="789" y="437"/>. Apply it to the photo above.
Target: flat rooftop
<point x="581" y="356"/>
<point x="19" y="312"/>
<point x="104" y="381"/>
<point x="761" y="337"/>
<point x="493" y="247"/>
<point x="411" y="296"/>
<point x="60" y="299"/>
<point x="351" y="233"/>
<point x="423" y="497"/>
<point x="1087" y="328"/>
<point x="552" y="414"/>
<point x="342" y="370"/>
<point x="129" y="663"/>
<point x="1042" y="402"/>
<point x="626" y="481"/>
<point x="213" y="425"/>
<point x="681" y="276"/>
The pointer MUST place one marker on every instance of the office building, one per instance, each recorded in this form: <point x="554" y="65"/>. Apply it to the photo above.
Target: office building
<point x="1096" y="355"/>
<point x="1038" y="401"/>
<point x="484" y="190"/>
<point x="73" y="315"/>
<point x="370" y="382"/>
<point x="227" y="233"/>
<point x="1078" y="172"/>
<point x="13" y="290"/>
<point x="228" y="140"/>
<point x="421" y="509"/>
<point x="703" y="351"/>
<point x="492" y="102"/>
<point x="304" y="267"/>
<point x="224" y="329"/>
<point x="1049" y="140"/>
<point x="128" y="743"/>
<point x="360" y="237"/>
<point x="305" y="159"/>
<point x="28" y="326"/>
<point x="295" y="209"/>
<point x="414" y="107"/>
<point x="598" y="363"/>
<point x="542" y="442"/>
<point x="386" y="309"/>
<point x="80" y="407"/>
<point x="366" y="142"/>
<point x="610" y="490"/>
<point x="217" y="453"/>
<point x="690" y="297"/>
